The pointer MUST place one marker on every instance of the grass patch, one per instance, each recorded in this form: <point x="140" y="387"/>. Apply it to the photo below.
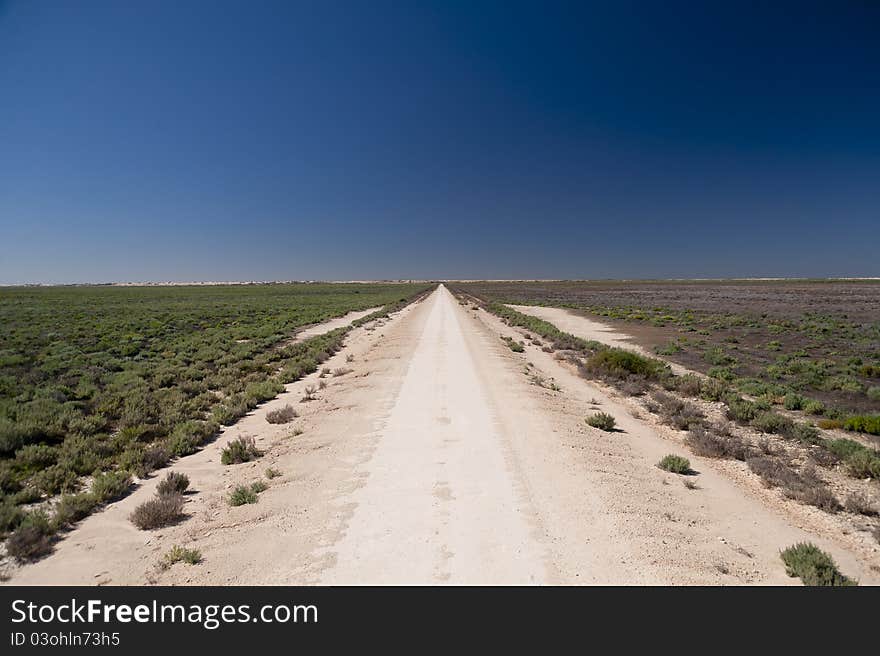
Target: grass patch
<point x="178" y="554"/>
<point x="813" y="566"/>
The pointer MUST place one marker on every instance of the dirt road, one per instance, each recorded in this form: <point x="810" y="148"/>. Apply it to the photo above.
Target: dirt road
<point x="444" y="457"/>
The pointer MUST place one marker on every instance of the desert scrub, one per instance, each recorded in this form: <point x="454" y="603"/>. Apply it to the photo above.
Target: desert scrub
<point x="514" y="345"/>
<point x="178" y="554"/>
<point x="159" y="511"/>
<point x="173" y="483"/>
<point x="863" y="424"/>
<point x="245" y="494"/>
<point x="242" y="449"/>
<point x="676" y="412"/>
<point x="804" y="486"/>
<point x="91" y="379"/>
<point x="282" y="415"/>
<point x="73" y="507"/>
<point x="110" y="486"/>
<point x="32" y="539"/>
<point x="860" y="461"/>
<point x="615" y="363"/>
<point x="602" y="421"/>
<point x="860" y="504"/>
<point x="271" y="473"/>
<point x="675" y="464"/>
<point x="717" y="442"/>
<point x="813" y="566"/>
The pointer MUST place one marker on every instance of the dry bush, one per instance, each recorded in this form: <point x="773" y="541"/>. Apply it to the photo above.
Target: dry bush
<point x="634" y="386"/>
<point x="309" y="394"/>
<point x="282" y="415"/>
<point x="805" y="486"/>
<point x="860" y="504"/>
<point x="341" y="371"/>
<point x="676" y="412"/>
<point x="717" y="443"/>
<point x="173" y="483"/>
<point x="159" y="511"/>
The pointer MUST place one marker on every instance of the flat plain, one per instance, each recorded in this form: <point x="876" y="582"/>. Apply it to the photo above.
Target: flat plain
<point x="570" y="432"/>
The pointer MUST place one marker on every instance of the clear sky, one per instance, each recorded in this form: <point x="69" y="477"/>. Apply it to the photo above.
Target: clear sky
<point x="179" y="140"/>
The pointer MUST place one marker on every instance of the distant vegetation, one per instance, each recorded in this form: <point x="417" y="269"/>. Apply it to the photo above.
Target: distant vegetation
<point x="810" y="346"/>
<point x="114" y="382"/>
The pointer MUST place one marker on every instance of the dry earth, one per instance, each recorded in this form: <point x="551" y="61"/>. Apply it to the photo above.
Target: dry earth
<point x="438" y="460"/>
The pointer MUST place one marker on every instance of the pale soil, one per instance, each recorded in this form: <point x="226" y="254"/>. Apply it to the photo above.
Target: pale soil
<point x="436" y="460"/>
<point x="332" y="324"/>
<point x="585" y="328"/>
<point x="849" y="531"/>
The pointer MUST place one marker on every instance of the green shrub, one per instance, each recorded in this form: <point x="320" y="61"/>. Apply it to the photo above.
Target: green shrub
<point x="110" y="486"/>
<point x="813" y="407"/>
<point x="675" y="464"/>
<point x="10" y="516"/>
<point x="36" y="456"/>
<point x="712" y="389"/>
<point x="863" y="424"/>
<point x="259" y="486"/>
<point x="813" y="566"/>
<point x="741" y="410"/>
<point x="242" y="495"/>
<point x="271" y="473"/>
<point x="619" y="363"/>
<point x="873" y="393"/>
<point x="242" y="449"/>
<point x="178" y="554"/>
<point x="861" y="461"/>
<point x="55" y="480"/>
<point x="771" y="422"/>
<point x="514" y="345"/>
<point x="173" y="483"/>
<point x="804" y="433"/>
<point x="73" y="507"/>
<point x="602" y="421"/>
<point x="793" y="401"/>
<point x="158" y="512"/>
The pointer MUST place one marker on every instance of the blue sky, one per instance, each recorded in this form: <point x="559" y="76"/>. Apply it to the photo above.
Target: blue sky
<point x="284" y="140"/>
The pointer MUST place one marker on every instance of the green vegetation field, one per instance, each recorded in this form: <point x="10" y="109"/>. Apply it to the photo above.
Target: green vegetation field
<point x="808" y="344"/>
<point x="123" y="379"/>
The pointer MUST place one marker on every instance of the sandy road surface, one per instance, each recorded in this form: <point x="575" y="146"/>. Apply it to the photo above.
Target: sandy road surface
<point x="438" y="459"/>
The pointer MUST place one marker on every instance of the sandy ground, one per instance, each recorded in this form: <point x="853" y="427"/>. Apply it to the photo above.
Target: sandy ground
<point x="437" y="459"/>
<point x="576" y="324"/>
